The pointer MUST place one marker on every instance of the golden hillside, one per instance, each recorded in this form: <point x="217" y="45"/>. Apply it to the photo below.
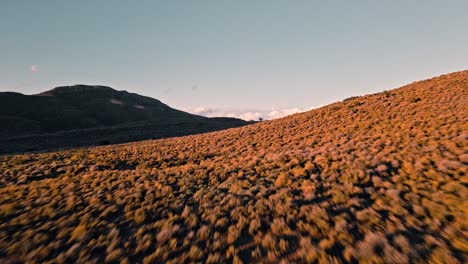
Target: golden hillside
<point x="378" y="178"/>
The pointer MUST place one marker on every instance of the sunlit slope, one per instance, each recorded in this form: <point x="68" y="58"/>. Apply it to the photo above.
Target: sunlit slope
<point x="378" y="178"/>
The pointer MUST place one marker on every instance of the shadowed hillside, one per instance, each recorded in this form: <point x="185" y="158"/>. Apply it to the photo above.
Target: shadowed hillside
<point x="375" y="179"/>
<point x="84" y="115"/>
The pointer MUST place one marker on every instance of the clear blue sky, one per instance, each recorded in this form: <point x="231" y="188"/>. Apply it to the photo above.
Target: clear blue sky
<point x="231" y="54"/>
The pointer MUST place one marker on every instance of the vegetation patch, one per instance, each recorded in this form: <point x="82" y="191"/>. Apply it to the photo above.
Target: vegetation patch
<point x="386" y="184"/>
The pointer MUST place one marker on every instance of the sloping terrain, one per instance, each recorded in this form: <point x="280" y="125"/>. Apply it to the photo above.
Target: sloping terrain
<point x="374" y="179"/>
<point x="82" y="115"/>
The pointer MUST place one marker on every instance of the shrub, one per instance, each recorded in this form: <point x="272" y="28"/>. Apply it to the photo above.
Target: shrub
<point x="282" y="179"/>
<point x="79" y="233"/>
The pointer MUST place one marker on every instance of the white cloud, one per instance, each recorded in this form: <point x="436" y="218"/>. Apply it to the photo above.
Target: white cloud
<point x="246" y="114"/>
<point x="201" y="110"/>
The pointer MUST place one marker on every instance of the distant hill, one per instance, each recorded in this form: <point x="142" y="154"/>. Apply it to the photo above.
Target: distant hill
<point x="380" y="178"/>
<point x="83" y="115"/>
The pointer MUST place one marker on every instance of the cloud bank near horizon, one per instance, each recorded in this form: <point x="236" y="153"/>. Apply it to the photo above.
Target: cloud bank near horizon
<point x="246" y="114"/>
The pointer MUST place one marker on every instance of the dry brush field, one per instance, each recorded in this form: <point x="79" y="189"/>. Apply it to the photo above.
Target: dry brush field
<point x="374" y="179"/>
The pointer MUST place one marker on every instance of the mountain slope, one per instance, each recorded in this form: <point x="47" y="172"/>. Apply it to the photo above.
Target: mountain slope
<point x="83" y="115"/>
<point x="378" y="178"/>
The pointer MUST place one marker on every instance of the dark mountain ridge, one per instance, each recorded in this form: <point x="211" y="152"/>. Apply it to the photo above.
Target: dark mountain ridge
<point x="82" y="110"/>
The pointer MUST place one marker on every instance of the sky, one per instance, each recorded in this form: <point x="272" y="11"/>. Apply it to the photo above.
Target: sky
<point x="247" y="59"/>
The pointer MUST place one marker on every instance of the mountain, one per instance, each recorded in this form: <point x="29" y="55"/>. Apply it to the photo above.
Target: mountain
<point x="380" y="178"/>
<point x="83" y="115"/>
